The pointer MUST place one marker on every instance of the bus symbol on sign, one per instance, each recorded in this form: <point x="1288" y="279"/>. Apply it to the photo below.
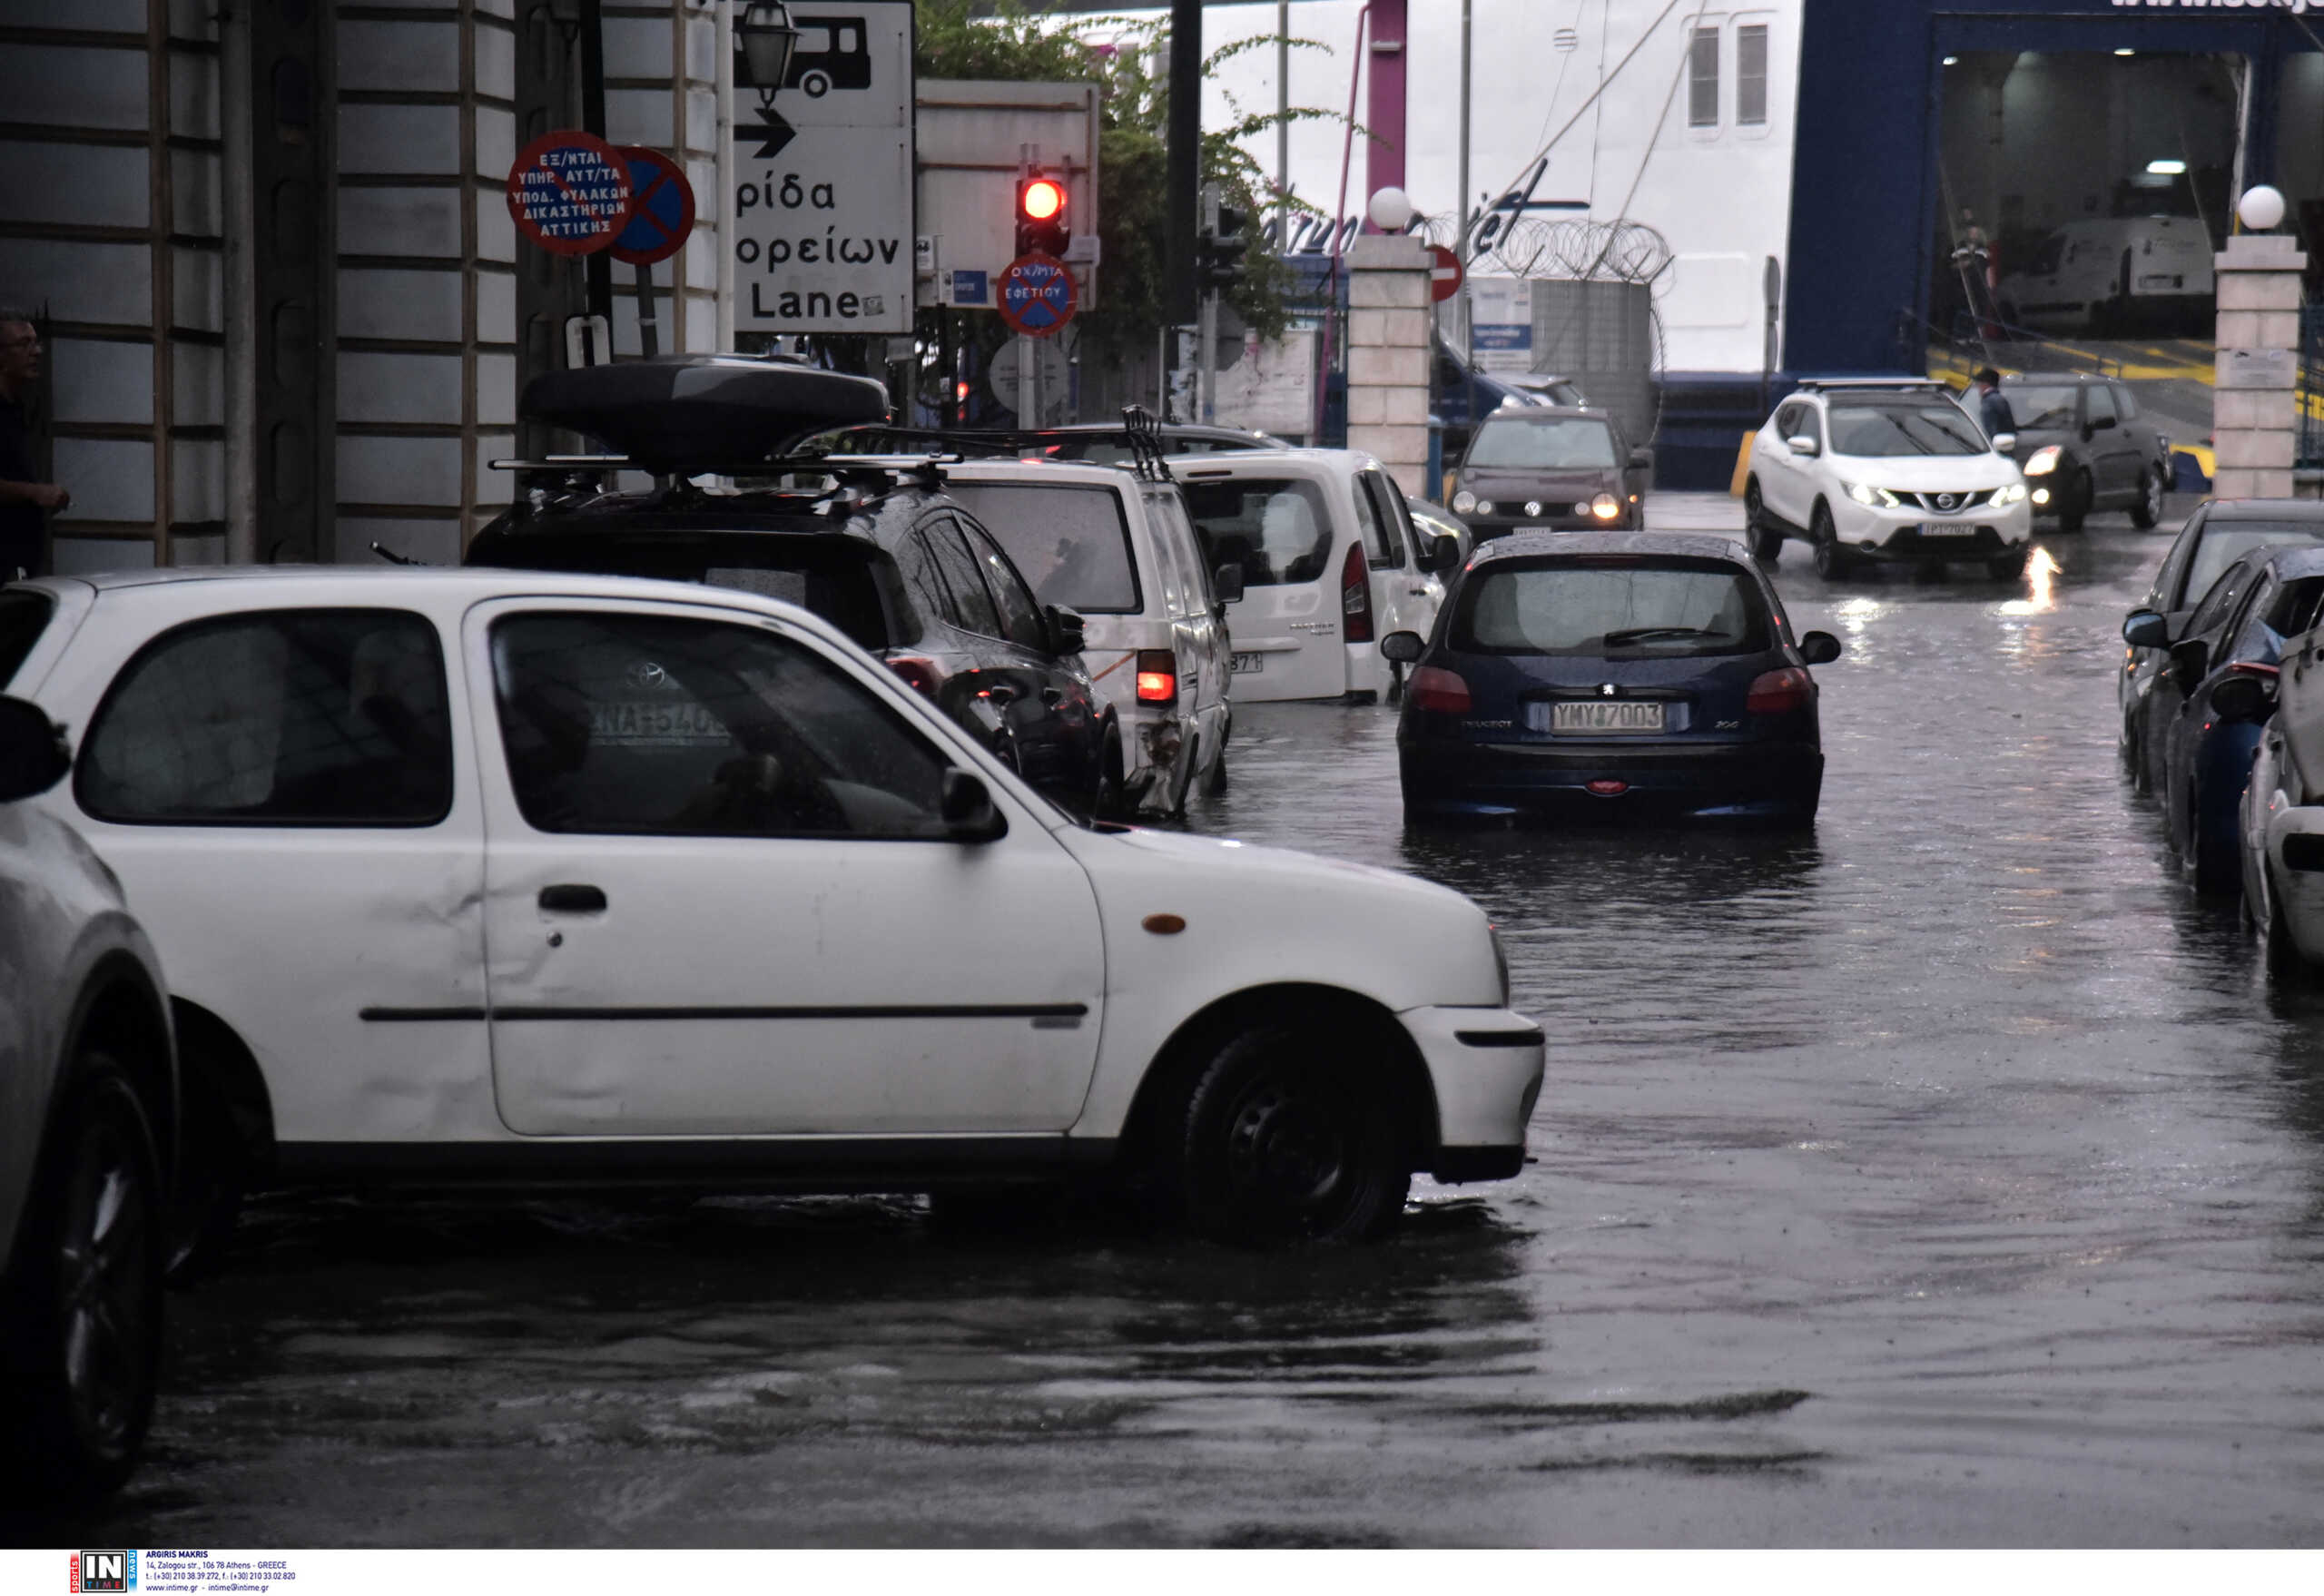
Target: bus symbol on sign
<point x="832" y="52"/>
<point x="104" y="1571"/>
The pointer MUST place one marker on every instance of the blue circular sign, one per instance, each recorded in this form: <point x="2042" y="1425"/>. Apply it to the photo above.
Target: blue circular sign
<point x="661" y="218"/>
<point x="1035" y="295"/>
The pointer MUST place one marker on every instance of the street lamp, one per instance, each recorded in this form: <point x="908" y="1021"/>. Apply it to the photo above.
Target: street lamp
<point x="769" y="38"/>
<point x="2260" y="208"/>
<point x="1392" y="211"/>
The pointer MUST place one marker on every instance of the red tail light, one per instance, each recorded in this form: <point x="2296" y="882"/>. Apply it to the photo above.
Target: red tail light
<point x="2250" y="667"/>
<point x="1157" y="677"/>
<point x="1355" y="597"/>
<point x="1778" y="691"/>
<point x="920" y="674"/>
<point x="1607" y="787"/>
<point x="1433" y="687"/>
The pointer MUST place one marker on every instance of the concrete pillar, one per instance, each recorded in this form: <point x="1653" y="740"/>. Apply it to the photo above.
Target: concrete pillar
<point x="1388" y="354"/>
<point x="2253" y="418"/>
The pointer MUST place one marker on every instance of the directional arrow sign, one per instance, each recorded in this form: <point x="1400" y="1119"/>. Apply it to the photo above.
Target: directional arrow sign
<point x="773" y="133"/>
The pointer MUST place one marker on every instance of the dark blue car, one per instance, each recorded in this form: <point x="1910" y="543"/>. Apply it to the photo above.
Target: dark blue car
<point x="2208" y="702"/>
<point x="1604" y="675"/>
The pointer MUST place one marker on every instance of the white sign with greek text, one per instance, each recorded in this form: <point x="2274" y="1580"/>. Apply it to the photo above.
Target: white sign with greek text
<point x="822" y="204"/>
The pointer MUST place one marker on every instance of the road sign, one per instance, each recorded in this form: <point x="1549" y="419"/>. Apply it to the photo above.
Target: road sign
<point x="569" y="192"/>
<point x="1035" y="295"/>
<point x="824" y="227"/>
<point x="975" y="138"/>
<point x="1444" y="273"/>
<point x="661" y="216"/>
<point x="1008" y="367"/>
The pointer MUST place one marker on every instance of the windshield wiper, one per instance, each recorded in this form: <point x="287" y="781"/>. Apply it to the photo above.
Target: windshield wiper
<point x="1630" y="635"/>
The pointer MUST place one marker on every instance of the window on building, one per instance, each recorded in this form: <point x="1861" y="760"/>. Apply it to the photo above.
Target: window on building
<point x="1751" y="75"/>
<point x="1702" y="79"/>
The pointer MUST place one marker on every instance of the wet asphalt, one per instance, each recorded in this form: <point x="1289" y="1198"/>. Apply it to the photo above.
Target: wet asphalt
<point x="1949" y="1177"/>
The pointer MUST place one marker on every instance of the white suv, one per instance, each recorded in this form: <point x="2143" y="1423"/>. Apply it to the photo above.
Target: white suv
<point x="1884" y="470"/>
<point x="516" y="877"/>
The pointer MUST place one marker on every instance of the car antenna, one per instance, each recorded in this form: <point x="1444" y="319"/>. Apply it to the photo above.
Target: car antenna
<point x="391" y="557"/>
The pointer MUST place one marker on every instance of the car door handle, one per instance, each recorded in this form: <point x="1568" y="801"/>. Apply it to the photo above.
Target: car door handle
<point x="573" y="898"/>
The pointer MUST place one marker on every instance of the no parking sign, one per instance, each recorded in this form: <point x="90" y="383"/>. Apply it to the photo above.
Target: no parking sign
<point x="661" y="217"/>
<point x="1035" y="295"/>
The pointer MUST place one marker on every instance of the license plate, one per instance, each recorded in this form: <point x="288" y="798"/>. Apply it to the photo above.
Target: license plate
<point x="1245" y="664"/>
<point x="650" y="722"/>
<point x="1946" y="529"/>
<point x="1597" y="715"/>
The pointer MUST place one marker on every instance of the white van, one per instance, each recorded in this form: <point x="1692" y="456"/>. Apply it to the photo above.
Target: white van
<point x="2103" y="275"/>
<point x="1330" y="561"/>
<point x="1120" y="548"/>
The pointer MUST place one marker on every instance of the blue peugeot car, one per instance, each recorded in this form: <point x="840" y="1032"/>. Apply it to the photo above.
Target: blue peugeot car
<point x="1605" y="676"/>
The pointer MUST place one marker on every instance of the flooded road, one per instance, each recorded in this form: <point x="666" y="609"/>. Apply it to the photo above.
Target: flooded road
<point x="1947" y="1178"/>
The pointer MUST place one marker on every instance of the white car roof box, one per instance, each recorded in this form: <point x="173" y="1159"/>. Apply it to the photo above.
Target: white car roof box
<point x="693" y="411"/>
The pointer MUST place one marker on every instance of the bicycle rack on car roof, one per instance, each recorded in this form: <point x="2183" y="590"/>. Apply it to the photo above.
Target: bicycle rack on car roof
<point x="1139" y="433"/>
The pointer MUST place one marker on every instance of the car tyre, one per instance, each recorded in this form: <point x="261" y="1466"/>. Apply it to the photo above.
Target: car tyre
<point x="1831" y="561"/>
<point x="2285" y="965"/>
<point x="2075" y="509"/>
<point x="2007" y="568"/>
<point x="1111" y="798"/>
<point x="2148" y="510"/>
<point x="1287" y="1139"/>
<point x="84" y="1302"/>
<point x="2217" y="869"/>
<point x="1766" y="542"/>
<point x="1214" y="777"/>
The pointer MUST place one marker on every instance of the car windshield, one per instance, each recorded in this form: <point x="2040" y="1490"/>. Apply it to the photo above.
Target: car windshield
<point x="1614" y="605"/>
<point x="1937" y="427"/>
<point x="1276" y="528"/>
<point x="2040" y="409"/>
<point x="1563" y="443"/>
<point x="1069" y="539"/>
<point x="2223" y="544"/>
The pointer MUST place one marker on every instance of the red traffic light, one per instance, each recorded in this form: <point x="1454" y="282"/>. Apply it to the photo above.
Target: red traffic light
<point x="1040" y="199"/>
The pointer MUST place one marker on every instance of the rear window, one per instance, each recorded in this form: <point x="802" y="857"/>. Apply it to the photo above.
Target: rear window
<point x="1615" y="605"/>
<point x="1277" y="529"/>
<point x="23" y="615"/>
<point x="2223" y="544"/>
<point x="1569" y="444"/>
<point x="1071" y="543"/>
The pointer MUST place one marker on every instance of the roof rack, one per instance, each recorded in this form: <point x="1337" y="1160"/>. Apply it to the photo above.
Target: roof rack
<point x="1140" y="434"/>
<point x="560" y="481"/>
<point x="1912" y="384"/>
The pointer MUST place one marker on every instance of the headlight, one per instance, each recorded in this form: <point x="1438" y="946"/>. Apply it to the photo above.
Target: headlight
<point x="2045" y="460"/>
<point x="2010" y="493"/>
<point x="1605" y="507"/>
<point x="1877" y="497"/>
<point x="1485" y="506"/>
<point x="1463" y="502"/>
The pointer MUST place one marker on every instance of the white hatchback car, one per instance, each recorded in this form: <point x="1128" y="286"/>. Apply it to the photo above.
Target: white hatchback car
<point x="1884" y="470"/>
<point x="88" y="1135"/>
<point x="526" y="877"/>
<point x="1331" y="563"/>
<point x="1118" y="551"/>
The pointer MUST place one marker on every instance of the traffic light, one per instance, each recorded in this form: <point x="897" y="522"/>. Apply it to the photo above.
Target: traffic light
<point x="1044" y="215"/>
<point x="1220" y="246"/>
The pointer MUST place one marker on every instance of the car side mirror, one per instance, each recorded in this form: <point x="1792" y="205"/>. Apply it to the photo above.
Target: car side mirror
<point x="2004" y="443"/>
<point x="2143" y="628"/>
<point x="2191" y="661"/>
<point x="32" y="754"/>
<point x="1805" y="444"/>
<point x="969" y="812"/>
<point x="2100" y="423"/>
<point x="1819" y="648"/>
<point x="1403" y="647"/>
<point x="2243" y="698"/>
<point x="1067" y="629"/>
<point x="1226" y="582"/>
<point x="1642" y="459"/>
<point x="1441" y="554"/>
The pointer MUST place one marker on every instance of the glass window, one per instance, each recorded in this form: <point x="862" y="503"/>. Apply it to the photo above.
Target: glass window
<point x="1276" y="528"/>
<point x="1597" y="607"/>
<point x="1021" y="613"/>
<point x="1938" y="426"/>
<point x="1563" y="443"/>
<point x="1175" y="536"/>
<point x="1395" y="524"/>
<point x="2255" y="638"/>
<point x="2040" y="407"/>
<point x="2126" y="403"/>
<point x="328" y="717"/>
<point x="1702" y="79"/>
<point x="1071" y="541"/>
<point x="1751" y="75"/>
<point x="23" y="616"/>
<point x="632" y="724"/>
<point x="971" y="603"/>
<point x="2225" y="542"/>
<point x="2218" y="600"/>
<point x="2102" y="403"/>
<point x="923" y="583"/>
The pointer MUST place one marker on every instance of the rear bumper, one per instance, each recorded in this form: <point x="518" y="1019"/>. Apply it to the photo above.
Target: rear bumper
<point x="1704" y="780"/>
<point x="2296" y="872"/>
<point x="1485" y="1064"/>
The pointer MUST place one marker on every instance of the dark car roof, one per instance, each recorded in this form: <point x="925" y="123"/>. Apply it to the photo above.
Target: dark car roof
<point x="2295" y="564"/>
<point x="2220" y="510"/>
<point x="1680" y="545"/>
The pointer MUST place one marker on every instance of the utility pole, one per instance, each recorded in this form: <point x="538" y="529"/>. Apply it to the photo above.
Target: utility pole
<point x="1184" y="169"/>
<point x="1461" y="239"/>
<point x="593" y="120"/>
<point x="1207" y="335"/>
<point x="1282" y="122"/>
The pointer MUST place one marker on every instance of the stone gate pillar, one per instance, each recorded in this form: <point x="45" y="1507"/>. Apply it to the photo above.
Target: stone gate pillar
<point x="1388" y="354"/>
<point x="2253" y="418"/>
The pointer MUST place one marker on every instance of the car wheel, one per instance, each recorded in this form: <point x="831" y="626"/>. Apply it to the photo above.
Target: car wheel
<point x="2285" y="964"/>
<point x="1831" y="561"/>
<point x="1214" y="778"/>
<point x="1766" y="542"/>
<point x="2148" y="510"/>
<point x="2074" y="510"/>
<point x="84" y="1302"/>
<point x="2007" y="568"/>
<point x="2218" y="871"/>
<point x="1287" y="1139"/>
<point x="1108" y="802"/>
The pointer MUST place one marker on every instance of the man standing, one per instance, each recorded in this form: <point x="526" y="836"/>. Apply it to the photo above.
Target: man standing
<point x="1993" y="410"/>
<point x="24" y="500"/>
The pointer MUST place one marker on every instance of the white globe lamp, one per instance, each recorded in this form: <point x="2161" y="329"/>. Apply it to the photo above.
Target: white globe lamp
<point x="2260" y="208"/>
<point x="1391" y="209"/>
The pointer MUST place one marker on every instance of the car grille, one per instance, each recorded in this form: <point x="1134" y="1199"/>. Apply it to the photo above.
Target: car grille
<point x="1948" y="504"/>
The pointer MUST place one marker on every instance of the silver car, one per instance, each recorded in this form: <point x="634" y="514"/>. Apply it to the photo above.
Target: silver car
<point x="88" y="1111"/>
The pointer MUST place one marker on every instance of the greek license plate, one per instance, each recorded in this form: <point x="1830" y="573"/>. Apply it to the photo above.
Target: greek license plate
<point x="1946" y="529"/>
<point x="1249" y="663"/>
<point x="1596" y="715"/>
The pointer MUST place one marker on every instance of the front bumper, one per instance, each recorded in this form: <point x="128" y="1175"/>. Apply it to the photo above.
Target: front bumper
<point x="1710" y="781"/>
<point x="1982" y="533"/>
<point x="2296" y="871"/>
<point x="1484" y="527"/>
<point x="1485" y="1065"/>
